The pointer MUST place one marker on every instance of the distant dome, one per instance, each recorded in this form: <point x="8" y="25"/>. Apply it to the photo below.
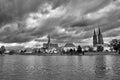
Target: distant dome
<point x="69" y="45"/>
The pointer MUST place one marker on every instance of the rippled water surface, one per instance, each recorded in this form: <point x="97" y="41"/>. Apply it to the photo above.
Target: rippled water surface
<point x="59" y="67"/>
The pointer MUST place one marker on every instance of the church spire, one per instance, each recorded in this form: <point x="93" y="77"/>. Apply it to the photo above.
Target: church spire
<point x="48" y="38"/>
<point x="100" y="37"/>
<point x="99" y="31"/>
<point x="94" y="32"/>
<point x="94" y="38"/>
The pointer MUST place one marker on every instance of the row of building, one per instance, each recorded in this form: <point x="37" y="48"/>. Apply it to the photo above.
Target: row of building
<point x="54" y="46"/>
<point x="97" y="41"/>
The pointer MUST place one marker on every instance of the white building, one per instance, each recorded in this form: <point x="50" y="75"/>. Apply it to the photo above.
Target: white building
<point x="29" y="50"/>
<point x="69" y="46"/>
<point x="106" y="47"/>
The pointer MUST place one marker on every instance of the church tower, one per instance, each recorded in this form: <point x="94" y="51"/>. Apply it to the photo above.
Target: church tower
<point x="94" y="39"/>
<point x="48" y="43"/>
<point x="100" y="37"/>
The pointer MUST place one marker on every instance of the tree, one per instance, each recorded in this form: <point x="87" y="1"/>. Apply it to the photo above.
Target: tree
<point x="3" y="49"/>
<point x="100" y="48"/>
<point x="90" y="49"/>
<point x="115" y="43"/>
<point x="79" y="49"/>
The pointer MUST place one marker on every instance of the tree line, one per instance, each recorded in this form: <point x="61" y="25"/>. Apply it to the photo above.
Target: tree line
<point x="115" y="44"/>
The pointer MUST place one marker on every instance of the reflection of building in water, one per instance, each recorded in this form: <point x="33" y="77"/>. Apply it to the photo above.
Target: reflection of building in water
<point x="69" y="46"/>
<point x="101" y="68"/>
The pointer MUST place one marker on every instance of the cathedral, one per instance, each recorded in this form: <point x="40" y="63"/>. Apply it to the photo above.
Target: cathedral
<point x="97" y="38"/>
<point x="49" y="44"/>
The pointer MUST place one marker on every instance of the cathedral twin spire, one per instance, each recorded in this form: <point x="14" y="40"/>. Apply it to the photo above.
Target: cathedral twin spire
<point x="97" y="39"/>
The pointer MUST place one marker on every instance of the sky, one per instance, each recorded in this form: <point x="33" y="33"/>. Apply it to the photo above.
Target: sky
<point x="28" y="22"/>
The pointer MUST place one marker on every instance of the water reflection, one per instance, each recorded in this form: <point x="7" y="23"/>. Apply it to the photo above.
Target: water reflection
<point x="59" y="67"/>
<point x="1" y="66"/>
<point x="100" y="67"/>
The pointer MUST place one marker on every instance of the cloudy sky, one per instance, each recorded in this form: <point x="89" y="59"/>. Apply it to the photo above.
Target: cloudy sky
<point x="28" y="22"/>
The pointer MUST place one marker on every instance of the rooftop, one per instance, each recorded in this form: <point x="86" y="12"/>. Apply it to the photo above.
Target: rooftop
<point x="69" y="45"/>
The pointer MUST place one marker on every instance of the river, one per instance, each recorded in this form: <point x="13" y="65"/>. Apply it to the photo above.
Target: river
<point x="17" y="67"/>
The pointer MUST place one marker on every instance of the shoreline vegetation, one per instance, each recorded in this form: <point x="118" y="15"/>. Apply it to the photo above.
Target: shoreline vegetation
<point x="58" y="54"/>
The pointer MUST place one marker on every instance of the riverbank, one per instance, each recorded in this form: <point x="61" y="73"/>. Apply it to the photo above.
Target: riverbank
<point x="101" y="53"/>
<point x="58" y="54"/>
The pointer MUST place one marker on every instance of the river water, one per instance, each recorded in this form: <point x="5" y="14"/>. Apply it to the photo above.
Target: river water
<point x="19" y="67"/>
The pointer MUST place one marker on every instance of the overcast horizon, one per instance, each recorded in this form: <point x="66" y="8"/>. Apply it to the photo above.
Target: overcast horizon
<point x="28" y="22"/>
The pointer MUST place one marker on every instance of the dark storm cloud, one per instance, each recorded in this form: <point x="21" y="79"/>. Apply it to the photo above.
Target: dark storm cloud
<point x="82" y="23"/>
<point x="58" y="3"/>
<point x="63" y="26"/>
<point x="5" y="18"/>
<point x="16" y="9"/>
<point x="12" y="9"/>
<point x="16" y="39"/>
<point x="14" y="34"/>
<point x="99" y="6"/>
